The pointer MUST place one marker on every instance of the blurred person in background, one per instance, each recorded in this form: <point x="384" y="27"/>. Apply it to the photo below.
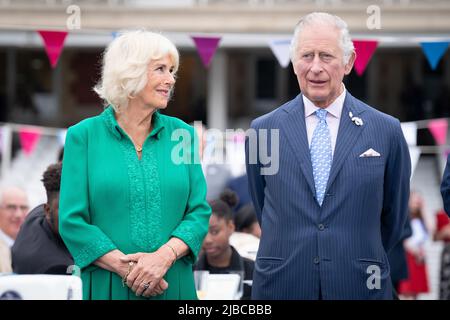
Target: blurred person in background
<point x="239" y="185"/>
<point x="445" y="187"/>
<point x="39" y="248"/>
<point x="417" y="281"/>
<point x="246" y="221"/>
<point x="133" y="213"/>
<point x="398" y="262"/>
<point x="218" y="256"/>
<point x="442" y="233"/>
<point x="246" y="237"/>
<point x="212" y="156"/>
<point x="14" y="208"/>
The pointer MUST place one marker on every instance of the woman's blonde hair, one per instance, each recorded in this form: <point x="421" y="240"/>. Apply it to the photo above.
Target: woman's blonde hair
<point x="125" y="65"/>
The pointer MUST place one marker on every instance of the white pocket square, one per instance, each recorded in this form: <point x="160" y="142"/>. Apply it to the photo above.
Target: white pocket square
<point x="370" y="153"/>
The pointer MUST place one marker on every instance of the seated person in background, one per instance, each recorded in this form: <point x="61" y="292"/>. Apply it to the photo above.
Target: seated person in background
<point x="218" y="256"/>
<point x="39" y="248"/>
<point x="246" y="237"/>
<point x="245" y="221"/>
<point x="240" y="186"/>
<point x="442" y="233"/>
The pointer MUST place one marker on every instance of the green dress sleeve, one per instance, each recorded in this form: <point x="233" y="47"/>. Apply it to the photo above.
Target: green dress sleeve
<point x="86" y="242"/>
<point x="194" y="225"/>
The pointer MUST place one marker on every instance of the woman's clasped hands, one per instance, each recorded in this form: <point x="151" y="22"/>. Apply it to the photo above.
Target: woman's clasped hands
<point x="146" y="272"/>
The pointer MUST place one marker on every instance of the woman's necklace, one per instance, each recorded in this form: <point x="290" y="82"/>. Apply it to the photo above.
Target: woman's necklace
<point x="137" y="147"/>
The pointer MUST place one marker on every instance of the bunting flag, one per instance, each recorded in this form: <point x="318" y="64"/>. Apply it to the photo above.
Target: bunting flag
<point x="54" y="43"/>
<point x="438" y="129"/>
<point x="206" y="47"/>
<point x="414" y="153"/>
<point x="364" y="51"/>
<point x="410" y="132"/>
<point x="280" y="49"/>
<point x="434" y="52"/>
<point x="29" y="139"/>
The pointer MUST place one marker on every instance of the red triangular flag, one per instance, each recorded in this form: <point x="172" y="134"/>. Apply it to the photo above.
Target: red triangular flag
<point x="206" y="47"/>
<point x="54" y="43"/>
<point x="438" y="129"/>
<point x="364" y="51"/>
<point x="29" y="139"/>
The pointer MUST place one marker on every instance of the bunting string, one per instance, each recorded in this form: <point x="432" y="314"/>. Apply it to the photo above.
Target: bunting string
<point x="433" y="47"/>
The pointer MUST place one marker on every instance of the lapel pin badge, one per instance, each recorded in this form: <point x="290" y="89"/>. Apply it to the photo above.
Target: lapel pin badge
<point x="356" y="120"/>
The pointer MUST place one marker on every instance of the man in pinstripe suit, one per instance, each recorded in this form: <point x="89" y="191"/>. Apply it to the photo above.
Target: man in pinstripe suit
<point x="338" y="201"/>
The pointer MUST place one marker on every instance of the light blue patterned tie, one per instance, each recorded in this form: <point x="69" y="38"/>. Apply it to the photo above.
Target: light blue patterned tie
<point x="321" y="155"/>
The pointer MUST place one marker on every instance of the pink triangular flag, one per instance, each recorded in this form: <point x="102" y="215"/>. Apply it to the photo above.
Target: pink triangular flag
<point x="29" y="139"/>
<point x="54" y="43"/>
<point x="438" y="129"/>
<point x="206" y="47"/>
<point x="364" y="51"/>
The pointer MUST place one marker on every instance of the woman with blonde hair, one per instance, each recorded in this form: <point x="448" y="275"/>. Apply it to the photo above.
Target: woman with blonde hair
<point x="133" y="213"/>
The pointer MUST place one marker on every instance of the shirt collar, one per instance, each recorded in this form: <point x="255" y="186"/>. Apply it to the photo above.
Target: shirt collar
<point x="6" y="239"/>
<point x="112" y="124"/>
<point x="335" y="108"/>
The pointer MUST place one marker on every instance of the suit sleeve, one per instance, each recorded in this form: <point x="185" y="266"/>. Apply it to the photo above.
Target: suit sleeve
<point x="194" y="225"/>
<point x="396" y="190"/>
<point x="256" y="182"/>
<point x="445" y="187"/>
<point x="85" y="241"/>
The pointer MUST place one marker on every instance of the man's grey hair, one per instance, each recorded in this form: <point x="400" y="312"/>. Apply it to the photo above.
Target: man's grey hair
<point x="323" y="18"/>
<point x="4" y="188"/>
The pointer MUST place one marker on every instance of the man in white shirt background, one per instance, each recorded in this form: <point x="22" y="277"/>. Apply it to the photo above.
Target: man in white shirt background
<point x="13" y="209"/>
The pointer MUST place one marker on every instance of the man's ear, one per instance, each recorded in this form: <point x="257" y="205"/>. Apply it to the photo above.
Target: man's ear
<point x="349" y="65"/>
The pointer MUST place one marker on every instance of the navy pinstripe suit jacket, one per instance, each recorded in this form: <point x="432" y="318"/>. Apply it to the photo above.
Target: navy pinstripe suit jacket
<point x="341" y="248"/>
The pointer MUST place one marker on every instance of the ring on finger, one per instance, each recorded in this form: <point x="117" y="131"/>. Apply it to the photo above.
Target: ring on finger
<point x="146" y="285"/>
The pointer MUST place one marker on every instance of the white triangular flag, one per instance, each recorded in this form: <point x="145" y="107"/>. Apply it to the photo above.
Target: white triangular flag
<point x="414" y="153"/>
<point x="62" y="137"/>
<point x="410" y="132"/>
<point x="280" y="48"/>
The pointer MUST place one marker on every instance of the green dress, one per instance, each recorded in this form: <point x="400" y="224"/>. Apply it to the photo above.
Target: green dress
<point x="110" y="199"/>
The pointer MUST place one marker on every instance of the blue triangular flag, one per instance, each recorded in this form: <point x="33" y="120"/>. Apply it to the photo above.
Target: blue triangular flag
<point x="434" y="52"/>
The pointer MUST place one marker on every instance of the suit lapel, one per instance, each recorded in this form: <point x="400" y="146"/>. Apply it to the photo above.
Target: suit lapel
<point x="294" y="128"/>
<point x="348" y="134"/>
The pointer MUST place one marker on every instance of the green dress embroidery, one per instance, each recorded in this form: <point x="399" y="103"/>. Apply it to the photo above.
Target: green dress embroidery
<point x="110" y="199"/>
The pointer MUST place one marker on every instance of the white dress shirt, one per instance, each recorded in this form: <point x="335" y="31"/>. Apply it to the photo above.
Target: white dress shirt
<point x="333" y="117"/>
<point x="6" y="239"/>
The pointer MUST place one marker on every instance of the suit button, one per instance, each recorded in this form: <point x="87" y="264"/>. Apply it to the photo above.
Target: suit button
<point x="321" y="227"/>
<point x="316" y="260"/>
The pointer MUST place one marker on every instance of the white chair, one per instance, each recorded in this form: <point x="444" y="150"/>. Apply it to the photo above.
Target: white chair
<point x="40" y="287"/>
